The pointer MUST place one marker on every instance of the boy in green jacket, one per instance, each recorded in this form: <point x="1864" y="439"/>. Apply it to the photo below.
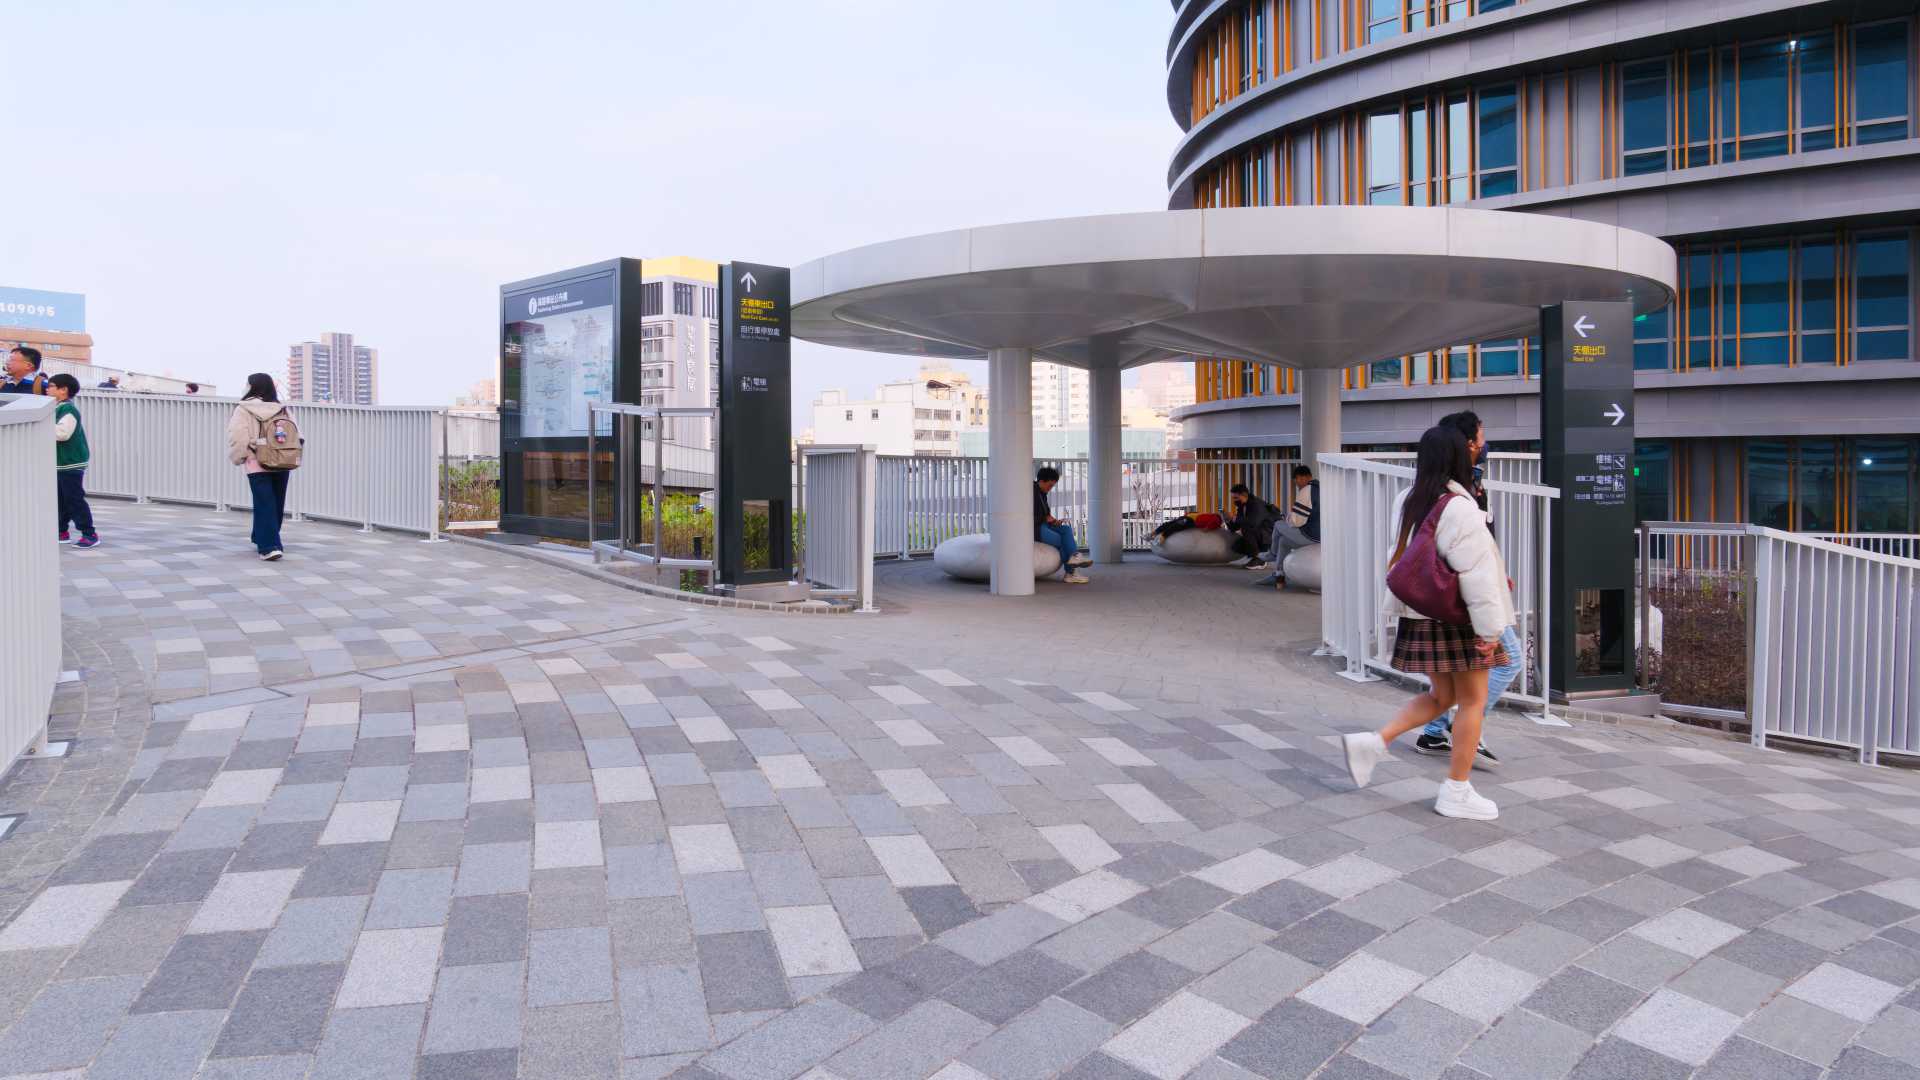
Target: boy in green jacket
<point x="70" y="462"/>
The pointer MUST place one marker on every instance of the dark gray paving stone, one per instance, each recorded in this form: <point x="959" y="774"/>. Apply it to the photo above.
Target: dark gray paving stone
<point x="1279" y="905"/>
<point x="177" y="878"/>
<point x="939" y="908"/>
<point x="1773" y="953"/>
<point x="202" y="971"/>
<point x="1003" y="991"/>
<point x="1325" y="939"/>
<point x="1744" y="1059"/>
<point x="1102" y="1067"/>
<point x="110" y="858"/>
<point x="1129" y="988"/>
<point x="1485" y="913"/>
<point x="878" y="994"/>
<point x="470" y="1065"/>
<point x="282" y="846"/>
<point x="1616" y="1059"/>
<point x="1290" y="1042"/>
<point x="741" y="972"/>
<point x="1158" y="863"/>
<point x="1348" y="1067"/>
<point x="280" y="1011"/>
<point x="342" y="870"/>
<point x="486" y="930"/>
<point x="1178" y="902"/>
<point x="931" y="969"/>
<point x="1581" y="999"/>
<point x="1595" y="920"/>
<point x="1858" y="1064"/>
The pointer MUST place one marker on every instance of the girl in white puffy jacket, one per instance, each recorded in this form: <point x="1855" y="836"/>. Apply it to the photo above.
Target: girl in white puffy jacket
<point x="1455" y="658"/>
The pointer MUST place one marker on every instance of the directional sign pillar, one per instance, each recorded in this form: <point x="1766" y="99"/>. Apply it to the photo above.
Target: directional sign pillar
<point x="756" y="433"/>
<point x="1586" y="427"/>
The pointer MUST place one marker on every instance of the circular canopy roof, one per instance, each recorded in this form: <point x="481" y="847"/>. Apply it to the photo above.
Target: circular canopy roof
<point x="1304" y="287"/>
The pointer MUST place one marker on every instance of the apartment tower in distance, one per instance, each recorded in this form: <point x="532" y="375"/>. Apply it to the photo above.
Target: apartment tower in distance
<point x="1772" y="143"/>
<point x="334" y="370"/>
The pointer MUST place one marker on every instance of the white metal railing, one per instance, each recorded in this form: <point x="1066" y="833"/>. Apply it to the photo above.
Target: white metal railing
<point x="924" y="500"/>
<point x="1357" y="533"/>
<point x="30" y="585"/>
<point x="472" y="436"/>
<point x="374" y="466"/>
<point x="1898" y="545"/>
<point x="1832" y="645"/>
<point x="837" y="513"/>
<point x="131" y="382"/>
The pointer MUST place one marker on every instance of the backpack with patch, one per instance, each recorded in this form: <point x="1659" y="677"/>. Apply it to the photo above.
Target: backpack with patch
<point x="279" y="443"/>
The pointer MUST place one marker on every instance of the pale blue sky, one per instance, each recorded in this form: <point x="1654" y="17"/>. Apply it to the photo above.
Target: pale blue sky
<point x="222" y="179"/>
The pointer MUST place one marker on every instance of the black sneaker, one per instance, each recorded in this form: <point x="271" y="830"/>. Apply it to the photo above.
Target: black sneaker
<point x="1486" y="758"/>
<point x="1434" y="745"/>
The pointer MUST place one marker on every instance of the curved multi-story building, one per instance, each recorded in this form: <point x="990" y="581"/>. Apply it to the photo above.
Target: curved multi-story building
<point x="1772" y="142"/>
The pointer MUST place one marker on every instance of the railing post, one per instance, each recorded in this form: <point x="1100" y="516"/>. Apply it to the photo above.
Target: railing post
<point x="591" y="550"/>
<point x="1753" y="550"/>
<point x="659" y="460"/>
<point x="1646" y="607"/>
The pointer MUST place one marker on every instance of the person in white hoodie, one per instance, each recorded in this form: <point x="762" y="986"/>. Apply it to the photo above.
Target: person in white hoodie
<point x="1456" y="659"/>
<point x="269" y="486"/>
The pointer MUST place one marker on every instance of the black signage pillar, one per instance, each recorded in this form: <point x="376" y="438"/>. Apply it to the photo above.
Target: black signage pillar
<point x="1586" y="429"/>
<point x="756" y="427"/>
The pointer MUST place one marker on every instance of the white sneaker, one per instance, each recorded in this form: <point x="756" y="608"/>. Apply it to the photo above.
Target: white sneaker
<point x="271" y="556"/>
<point x="1459" y="800"/>
<point x="1364" y="751"/>
<point x="1076" y="579"/>
<point x="1258" y="566"/>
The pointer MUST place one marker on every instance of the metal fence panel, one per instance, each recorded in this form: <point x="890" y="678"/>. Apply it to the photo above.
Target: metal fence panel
<point x="840" y="519"/>
<point x="30" y="588"/>
<point x="375" y="466"/>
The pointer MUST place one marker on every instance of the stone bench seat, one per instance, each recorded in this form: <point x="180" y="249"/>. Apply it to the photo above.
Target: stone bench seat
<point x="1196" y="547"/>
<point x="970" y="558"/>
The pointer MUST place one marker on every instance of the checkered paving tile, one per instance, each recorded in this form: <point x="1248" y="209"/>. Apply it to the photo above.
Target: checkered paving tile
<point x="393" y="809"/>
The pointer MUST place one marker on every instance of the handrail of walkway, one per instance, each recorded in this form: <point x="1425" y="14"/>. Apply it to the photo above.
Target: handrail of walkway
<point x="1357" y="495"/>
<point x="376" y="466"/>
<point x="30" y="586"/>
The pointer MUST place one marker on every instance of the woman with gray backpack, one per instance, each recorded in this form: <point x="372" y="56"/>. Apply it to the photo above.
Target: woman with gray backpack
<point x="263" y="439"/>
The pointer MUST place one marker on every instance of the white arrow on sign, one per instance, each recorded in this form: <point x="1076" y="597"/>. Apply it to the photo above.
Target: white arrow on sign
<point x="747" y="279"/>
<point x="1616" y="414"/>
<point x="1582" y="325"/>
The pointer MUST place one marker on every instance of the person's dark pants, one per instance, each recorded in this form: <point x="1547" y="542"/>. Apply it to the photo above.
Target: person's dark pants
<point x="269" y="504"/>
<point x="1244" y="546"/>
<point x="71" y="487"/>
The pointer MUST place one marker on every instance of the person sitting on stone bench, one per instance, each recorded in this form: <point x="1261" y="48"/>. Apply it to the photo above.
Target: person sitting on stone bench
<point x="1054" y="531"/>
<point x="1252" y="523"/>
<point x="1301" y="528"/>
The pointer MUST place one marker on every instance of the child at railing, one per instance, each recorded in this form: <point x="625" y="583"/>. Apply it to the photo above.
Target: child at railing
<point x="70" y="463"/>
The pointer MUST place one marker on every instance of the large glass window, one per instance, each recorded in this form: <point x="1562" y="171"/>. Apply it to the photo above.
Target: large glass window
<point x="1883" y="302"/>
<point x="1816" y="302"/>
<point x="1459" y="167"/>
<point x="1813" y="59"/>
<point x="1880" y="89"/>
<point x="1652" y="481"/>
<point x="1763" y="99"/>
<point x="1769" y="485"/>
<point x="1650" y="351"/>
<point x="1699" y="293"/>
<point x="1699" y="109"/>
<point x="1883" y="485"/>
<point x="1643" y="117"/>
<point x="1419" y="165"/>
<point x="1383" y="19"/>
<point x="1387" y="372"/>
<point x="1764" y="306"/>
<point x="1499" y="142"/>
<point x="1383" y="159"/>
<point x="1500" y="359"/>
<point x="1816" y="485"/>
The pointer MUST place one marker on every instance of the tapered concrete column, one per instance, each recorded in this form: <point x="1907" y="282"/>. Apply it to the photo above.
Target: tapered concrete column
<point x="1010" y="470"/>
<point x="1319" y="415"/>
<point x="1106" y="491"/>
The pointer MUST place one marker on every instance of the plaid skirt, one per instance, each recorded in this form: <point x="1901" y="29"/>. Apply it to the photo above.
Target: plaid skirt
<point x="1426" y="647"/>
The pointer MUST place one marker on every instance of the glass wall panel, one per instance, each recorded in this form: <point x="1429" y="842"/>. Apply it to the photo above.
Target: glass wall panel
<point x="1764" y="303"/>
<point x="1769" y="489"/>
<point x="1699" y="289"/>
<point x="1383" y="158"/>
<point x="1883" y="497"/>
<point x="1499" y="142"/>
<point x="1386" y="372"/>
<point x="1880" y="89"/>
<point x="1459" y="151"/>
<point x="1650" y="350"/>
<point x="1653" y="480"/>
<point x="1459" y="364"/>
<point x="1500" y="359"/>
<point x="1816" y="484"/>
<point x="1883" y="302"/>
<point x="1816" y="302"/>
<point x="1419" y="167"/>
<point x="1644" y="117"/>
<point x="1813" y="57"/>
<point x="1699" y="108"/>
<point x="1763" y="100"/>
<point x="1383" y="19"/>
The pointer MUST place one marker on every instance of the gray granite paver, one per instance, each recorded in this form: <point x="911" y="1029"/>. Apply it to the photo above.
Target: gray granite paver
<point x="535" y="825"/>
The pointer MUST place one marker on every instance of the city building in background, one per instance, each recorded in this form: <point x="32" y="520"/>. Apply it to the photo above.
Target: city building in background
<point x="53" y="322"/>
<point x="680" y="343"/>
<point x="484" y="394"/>
<point x="333" y="369"/>
<point x="1773" y="145"/>
<point x="922" y="415"/>
<point x="1060" y="396"/>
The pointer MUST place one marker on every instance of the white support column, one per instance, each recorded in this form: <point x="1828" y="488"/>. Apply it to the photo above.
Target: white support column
<point x="1106" y="493"/>
<point x="1319" y="415"/>
<point x="1010" y="470"/>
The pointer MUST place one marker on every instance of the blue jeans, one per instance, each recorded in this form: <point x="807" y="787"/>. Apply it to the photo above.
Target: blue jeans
<point x="269" y="491"/>
<point x="1060" y="536"/>
<point x="1498" y="680"/>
